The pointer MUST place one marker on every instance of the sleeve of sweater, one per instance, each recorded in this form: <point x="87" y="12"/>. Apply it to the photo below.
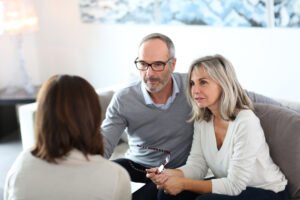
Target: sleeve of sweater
<point x="112" y="126"/>
<point x="9" y="184"/>
<point x="7" y="187"/>
<point x="195" y="167"/>
<point x="247" y="141"/>
<point x="123" y="189"/>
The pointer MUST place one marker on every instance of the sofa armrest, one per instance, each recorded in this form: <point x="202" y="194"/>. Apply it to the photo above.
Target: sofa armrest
<point x="26" y="114"/>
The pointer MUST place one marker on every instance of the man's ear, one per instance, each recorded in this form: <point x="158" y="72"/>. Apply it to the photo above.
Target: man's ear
<point x="173" y="63"/>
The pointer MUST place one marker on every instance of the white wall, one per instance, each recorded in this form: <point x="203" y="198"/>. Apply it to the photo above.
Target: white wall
<point x="266" y="60"/>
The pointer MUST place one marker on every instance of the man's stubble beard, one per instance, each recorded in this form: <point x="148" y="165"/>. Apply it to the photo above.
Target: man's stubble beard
<point x="162" y="84"/>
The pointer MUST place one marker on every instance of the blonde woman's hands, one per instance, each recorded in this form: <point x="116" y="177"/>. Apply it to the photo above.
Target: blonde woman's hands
<point x="173" y="185"/>
<point x="156" y="177"/>
<point x="170" y="180"/>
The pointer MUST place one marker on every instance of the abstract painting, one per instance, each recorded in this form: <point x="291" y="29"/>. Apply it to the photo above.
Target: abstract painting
<point x="226" y="13"/>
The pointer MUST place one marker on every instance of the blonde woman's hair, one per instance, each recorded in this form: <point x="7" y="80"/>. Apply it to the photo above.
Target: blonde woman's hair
<point x="233" y="97"/>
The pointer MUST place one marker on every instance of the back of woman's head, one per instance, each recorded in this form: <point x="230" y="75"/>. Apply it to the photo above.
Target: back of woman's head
<point x="233" y="97"/>
<point x="68" y="117"/>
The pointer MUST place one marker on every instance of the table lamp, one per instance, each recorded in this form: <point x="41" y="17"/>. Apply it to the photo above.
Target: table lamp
<point x="16" y="18"/>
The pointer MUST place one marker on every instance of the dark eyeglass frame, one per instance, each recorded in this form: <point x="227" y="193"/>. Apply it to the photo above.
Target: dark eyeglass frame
<point x="136" y="62"/>
<point x="162" y="165"/>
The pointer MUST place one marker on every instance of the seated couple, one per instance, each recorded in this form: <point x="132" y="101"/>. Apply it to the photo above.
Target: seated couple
<point x="202" y="120"/>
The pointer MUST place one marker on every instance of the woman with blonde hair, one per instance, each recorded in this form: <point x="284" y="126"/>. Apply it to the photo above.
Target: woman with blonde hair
<point x="228" y="139"/>
<point x="66" y="161"/>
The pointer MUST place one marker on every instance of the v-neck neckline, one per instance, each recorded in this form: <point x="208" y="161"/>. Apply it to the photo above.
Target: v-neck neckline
<point x="213" y="135"/>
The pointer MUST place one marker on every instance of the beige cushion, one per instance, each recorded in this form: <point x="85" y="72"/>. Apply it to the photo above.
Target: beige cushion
<point x="104" y="98"/>
<point x="282" y="130"/>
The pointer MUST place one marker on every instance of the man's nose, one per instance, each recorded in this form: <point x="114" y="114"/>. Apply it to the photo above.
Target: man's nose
<point x="149" y="69"/>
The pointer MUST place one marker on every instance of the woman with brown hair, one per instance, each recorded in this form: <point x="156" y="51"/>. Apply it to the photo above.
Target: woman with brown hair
<point x="66" y="161"/>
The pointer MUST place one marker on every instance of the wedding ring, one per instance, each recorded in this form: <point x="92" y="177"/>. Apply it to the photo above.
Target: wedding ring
<point x="165" y="191"/>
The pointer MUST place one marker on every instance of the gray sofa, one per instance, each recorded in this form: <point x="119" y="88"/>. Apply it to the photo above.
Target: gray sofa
<point x="280" y="120"/>
<point x="282" y="130"/>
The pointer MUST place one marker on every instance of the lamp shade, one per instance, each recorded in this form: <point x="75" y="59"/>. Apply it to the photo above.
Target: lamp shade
<point x="17" y="16"/>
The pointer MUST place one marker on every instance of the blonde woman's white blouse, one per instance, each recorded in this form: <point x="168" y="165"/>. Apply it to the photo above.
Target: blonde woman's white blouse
<point x="243" y="159"/>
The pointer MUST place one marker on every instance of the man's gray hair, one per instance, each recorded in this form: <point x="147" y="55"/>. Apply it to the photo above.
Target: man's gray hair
<point x="163" y="38"/>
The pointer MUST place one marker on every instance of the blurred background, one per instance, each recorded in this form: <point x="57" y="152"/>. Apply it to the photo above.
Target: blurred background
<point x="98" y="39"/>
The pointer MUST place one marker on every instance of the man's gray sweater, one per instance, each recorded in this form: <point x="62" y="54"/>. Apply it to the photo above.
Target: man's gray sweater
<point x="149" y="126"/>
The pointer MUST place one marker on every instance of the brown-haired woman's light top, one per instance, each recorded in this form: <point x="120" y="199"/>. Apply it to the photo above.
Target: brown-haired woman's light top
<point x="66" y="161"/>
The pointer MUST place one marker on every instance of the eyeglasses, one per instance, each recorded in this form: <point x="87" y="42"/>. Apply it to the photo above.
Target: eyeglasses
<point x="157" y="66"/>
<point x="163" y="163"/>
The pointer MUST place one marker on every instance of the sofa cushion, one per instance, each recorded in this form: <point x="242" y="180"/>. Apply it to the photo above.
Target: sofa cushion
<point x="290" y="104"/>
<point x="258" y="98"/>
<point x="282" y="130"/>
<point x="104" y="98"/>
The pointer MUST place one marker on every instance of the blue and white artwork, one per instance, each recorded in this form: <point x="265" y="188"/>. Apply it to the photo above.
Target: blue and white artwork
<point x="245" y="13"/>
<point x="287" y="13"/>
<point x="118" y="11"/>
<point x="226" y="13"/>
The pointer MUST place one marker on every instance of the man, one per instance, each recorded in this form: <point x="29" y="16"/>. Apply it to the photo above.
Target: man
<point x="154" y="111"/>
